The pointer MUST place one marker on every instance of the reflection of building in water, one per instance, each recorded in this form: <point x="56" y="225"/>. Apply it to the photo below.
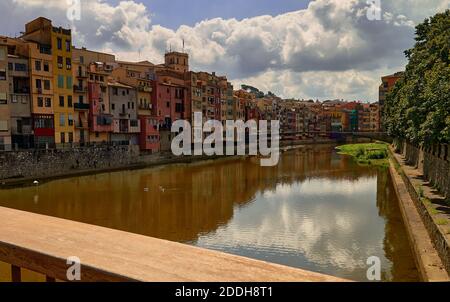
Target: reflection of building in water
<point x="177" y="202"/>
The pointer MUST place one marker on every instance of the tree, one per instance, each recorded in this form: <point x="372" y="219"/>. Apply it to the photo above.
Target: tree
<point x="418" y="108"/>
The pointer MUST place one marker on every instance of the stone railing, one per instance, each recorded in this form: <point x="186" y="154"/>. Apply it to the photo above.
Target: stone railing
<point x="433" y="162"/>
<point x="52" y="162"/>
<point x="72" y="251"/>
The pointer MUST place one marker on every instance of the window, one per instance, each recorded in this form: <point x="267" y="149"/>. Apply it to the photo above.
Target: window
<point x="129" y="105"/>
<point x="59" y="43"/>
<point x="168" y="104"/>
<point x="3" y="98"/>
<point x="2" y="54"/>
<point x="113" y="106"/>
<point x="97" y="135"/>
<point x="10" y="66"/>
<point x="69" y="82"/>
<point x="48" y="102"/>
<point x="60" y="81"/>
<point x="69" y="101"/>
<point x="63" y="138"/>
<point x="68" y="45"/>
<point x="132" y="105"/>
<point x="60" y="62"/>
<point x="3" y="126"/>
<point x="38" y="84"/>
<point x="81" y="59"/>
<point x="70" y="137"/>
<point x="133" y="123"/>
<point x="115" y="91"/>
<point x="62" y="119"/>
<point x="20" y="67"/>
<point x="2" y="75"/>
<point x="70" y="120"/>
<point x="47" y="84"/>
<point x="40" y="101"/>
<point x="80" y="99"/>
<point x="68" y="64"/>
<point x="46" y="67"/>
<point x="123" y="92"/>
<point x="61" y="101"/>
<point x="37" y="65"/>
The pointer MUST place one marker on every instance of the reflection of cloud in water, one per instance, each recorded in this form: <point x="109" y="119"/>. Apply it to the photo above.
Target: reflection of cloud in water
<point x="324" y="186"/>
<point x="326" y="223"/>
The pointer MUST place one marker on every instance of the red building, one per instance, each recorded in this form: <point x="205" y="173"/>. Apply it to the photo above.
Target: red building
<point x="100" y="118"/>
<point x="149" y="138"/>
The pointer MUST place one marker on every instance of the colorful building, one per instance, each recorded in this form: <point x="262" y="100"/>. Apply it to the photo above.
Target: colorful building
<point x="123" y="107"/>
<point x="19" y="101"/>
<point x="93" y="120"/>
<point x="141" y="76"/>
<point x="5" y="115"/>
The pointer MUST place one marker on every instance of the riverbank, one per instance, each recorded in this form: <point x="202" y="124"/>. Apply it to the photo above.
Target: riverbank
<point x="427" y="217"/>
<point x="373" y="154"/>
<point x="146" y="161"/>
<point x="21" y="169"/>
<point x="428" y="226"/>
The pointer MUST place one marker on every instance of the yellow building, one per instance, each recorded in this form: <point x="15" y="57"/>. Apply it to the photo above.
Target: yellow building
<point x="63" y="85"/>
<point x="51" y="74"/>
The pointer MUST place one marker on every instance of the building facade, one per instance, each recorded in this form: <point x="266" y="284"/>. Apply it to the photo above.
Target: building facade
<point x="5" y="115"/>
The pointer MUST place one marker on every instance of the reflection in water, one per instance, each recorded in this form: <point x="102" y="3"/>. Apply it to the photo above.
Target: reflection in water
<point x="316" y="210"/>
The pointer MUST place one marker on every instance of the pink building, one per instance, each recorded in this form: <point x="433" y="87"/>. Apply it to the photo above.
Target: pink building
<point x="150" y="137"/>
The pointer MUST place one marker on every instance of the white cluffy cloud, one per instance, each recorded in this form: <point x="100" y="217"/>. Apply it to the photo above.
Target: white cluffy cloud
<point x="328" y="50"/>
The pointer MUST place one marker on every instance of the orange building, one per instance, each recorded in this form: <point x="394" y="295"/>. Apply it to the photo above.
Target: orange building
<point x="388" y="83"/>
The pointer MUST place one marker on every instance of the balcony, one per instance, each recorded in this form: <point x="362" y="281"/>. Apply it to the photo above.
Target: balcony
<point x="81" y="106"/>
<point x="22" y="90"/>
<point x="102" y="123"/>
<point x="82" y="125"/>
<point x="79" y="89"/>
<point x="82" y="74"/>
<point x="145" y="107"/>
<point x="20" y="98"/>
<point x="145" y="89"/>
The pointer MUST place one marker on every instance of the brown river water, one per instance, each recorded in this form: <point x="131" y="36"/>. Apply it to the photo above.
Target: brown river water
<point x="316" y="210"/>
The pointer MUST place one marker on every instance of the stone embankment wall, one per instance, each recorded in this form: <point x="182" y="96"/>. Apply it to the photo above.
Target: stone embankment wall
<point x="433" y="162"/>
<point x="47" y="163"/>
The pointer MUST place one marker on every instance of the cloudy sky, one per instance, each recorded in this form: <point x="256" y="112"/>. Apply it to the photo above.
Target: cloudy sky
<point x="317" y="49"/>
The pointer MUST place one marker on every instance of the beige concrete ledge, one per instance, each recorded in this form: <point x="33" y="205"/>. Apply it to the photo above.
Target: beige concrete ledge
<point x="43" y="244"/>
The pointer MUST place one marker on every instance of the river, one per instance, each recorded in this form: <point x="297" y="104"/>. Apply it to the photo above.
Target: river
<point x="316" y="210"/>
